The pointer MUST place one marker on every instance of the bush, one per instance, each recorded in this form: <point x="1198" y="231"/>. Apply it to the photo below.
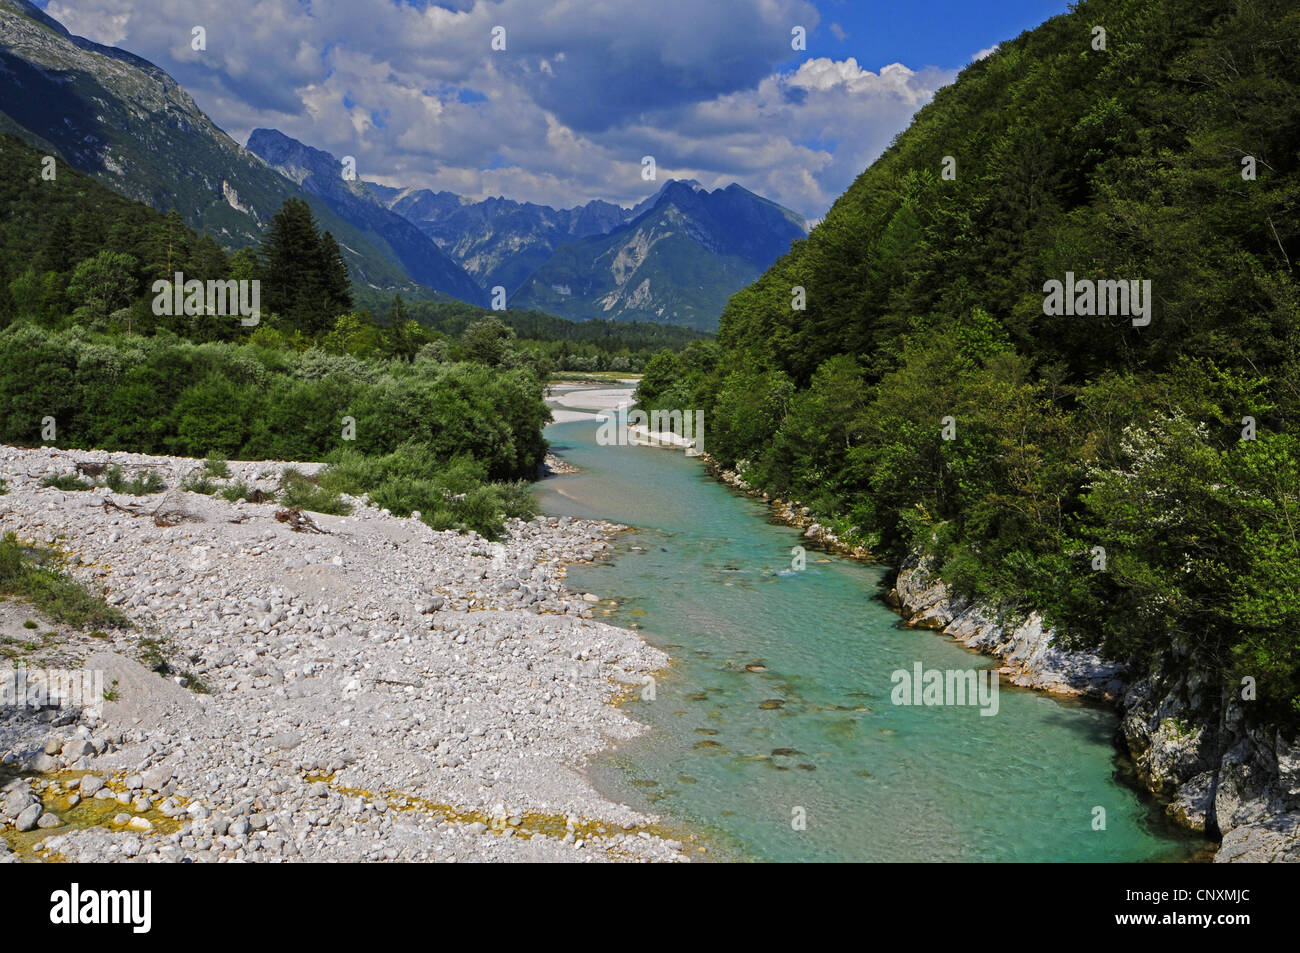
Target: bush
<point x="199" y="481"/>
<point x="66" y="482"/>
<point x="142" y="484"/>
<point x="239" y="490"/>
<point x="215" y="466"/>
<point x="297" y="489"/>
<point x="452" y="495"/>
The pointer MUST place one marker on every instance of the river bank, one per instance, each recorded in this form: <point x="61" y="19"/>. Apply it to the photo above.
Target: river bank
<point x="779" y="694"/>
<point x="373" y="691"/>
<point x="1216" y="775"/>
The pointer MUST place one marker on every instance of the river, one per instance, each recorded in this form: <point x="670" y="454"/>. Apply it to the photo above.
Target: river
<point x="773" y="733"/>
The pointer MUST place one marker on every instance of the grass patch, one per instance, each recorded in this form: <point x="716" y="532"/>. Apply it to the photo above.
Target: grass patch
<point x="54" y="593"/>
<point x="142" y="484"/>
<point x="153" y="655"/>
<point x="66" y="482"/>
<point x="157" y="653"/>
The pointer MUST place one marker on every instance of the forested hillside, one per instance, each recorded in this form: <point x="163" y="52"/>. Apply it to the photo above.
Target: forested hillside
<point x="439" y="425"/>
<point x="129" y="125"/>
<point x="925" y="400"/>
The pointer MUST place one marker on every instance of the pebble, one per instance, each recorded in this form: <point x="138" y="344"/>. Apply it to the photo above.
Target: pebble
<point x="442" y="667"/>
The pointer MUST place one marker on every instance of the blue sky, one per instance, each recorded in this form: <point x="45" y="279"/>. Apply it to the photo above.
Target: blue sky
<point x="941" y="33"/>
<point x="583" y="90"/>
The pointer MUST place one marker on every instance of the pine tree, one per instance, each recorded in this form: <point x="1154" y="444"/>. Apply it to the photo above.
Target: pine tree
<point x="289" y="267"/>
<point x="304" y="278"/>
<point x="55" y="252"/>
<point x="335" y="285"/>
<point x="397" y="313"/>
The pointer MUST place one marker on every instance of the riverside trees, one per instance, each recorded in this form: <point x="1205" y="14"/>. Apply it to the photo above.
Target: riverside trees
<point x="1171" y="444"/>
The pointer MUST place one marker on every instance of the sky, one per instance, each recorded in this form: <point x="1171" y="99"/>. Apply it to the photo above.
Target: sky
<point x="584" y="89"/>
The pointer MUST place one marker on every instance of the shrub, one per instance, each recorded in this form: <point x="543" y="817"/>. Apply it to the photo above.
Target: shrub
<point x="297" y="489"/>
<point x="239" y="490"/>
<point x="66" y="482"/>
<point x="199" y="481"/>
<point x="215" y="466"/>
<point x="142" y="484"/>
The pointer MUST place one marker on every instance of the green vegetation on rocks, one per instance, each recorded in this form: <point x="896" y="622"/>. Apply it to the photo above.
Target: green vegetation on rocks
<point x="32" y="574"/>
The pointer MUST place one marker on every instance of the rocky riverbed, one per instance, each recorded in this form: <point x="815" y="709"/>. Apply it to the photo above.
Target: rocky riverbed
<point x="372" y="691"/>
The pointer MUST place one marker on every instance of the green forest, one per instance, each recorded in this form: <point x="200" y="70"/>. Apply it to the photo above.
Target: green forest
<point x="1139" y="484"/>
<point x="555" y="344"/>
<point x="449" y="426"/>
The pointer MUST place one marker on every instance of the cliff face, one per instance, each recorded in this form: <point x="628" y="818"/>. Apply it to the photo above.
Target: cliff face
<point x="1201" y="755"/>
<point x="1025" y="646"/>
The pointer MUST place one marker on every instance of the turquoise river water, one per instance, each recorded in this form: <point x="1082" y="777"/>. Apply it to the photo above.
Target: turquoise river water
<point x="707" y="577"/>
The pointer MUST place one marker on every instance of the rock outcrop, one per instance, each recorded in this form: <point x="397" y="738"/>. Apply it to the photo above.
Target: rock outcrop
<point x="1197" y="752"/>
<point x="1025" y="645"/>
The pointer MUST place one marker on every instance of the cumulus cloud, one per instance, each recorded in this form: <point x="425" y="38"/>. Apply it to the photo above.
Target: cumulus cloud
<point x="563" y="115"/>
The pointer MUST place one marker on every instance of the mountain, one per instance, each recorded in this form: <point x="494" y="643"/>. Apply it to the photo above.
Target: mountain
<point x="319" y="173"/>
<point x="128" y="124"/>
<point x="497" y="240"/>
<point x="676" y="257"/>
<point x="677" y="261"/>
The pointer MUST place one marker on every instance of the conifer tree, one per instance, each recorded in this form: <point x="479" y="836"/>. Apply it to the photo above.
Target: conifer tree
<point x="336" y="287"/>
<point x="304" y="278"/>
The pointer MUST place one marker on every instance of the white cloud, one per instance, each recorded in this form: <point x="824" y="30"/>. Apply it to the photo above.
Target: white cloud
<point x="562" y="116"/>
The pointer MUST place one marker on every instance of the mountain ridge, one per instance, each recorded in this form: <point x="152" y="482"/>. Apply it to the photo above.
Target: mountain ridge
<point x="319" y="173"/>
<point x="130" y="125"/>
<point x="675" y="257"/>
<point x="651" y="268"/>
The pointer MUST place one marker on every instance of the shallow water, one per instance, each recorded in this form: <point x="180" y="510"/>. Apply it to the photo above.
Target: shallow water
<point x="712" y="584"/>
